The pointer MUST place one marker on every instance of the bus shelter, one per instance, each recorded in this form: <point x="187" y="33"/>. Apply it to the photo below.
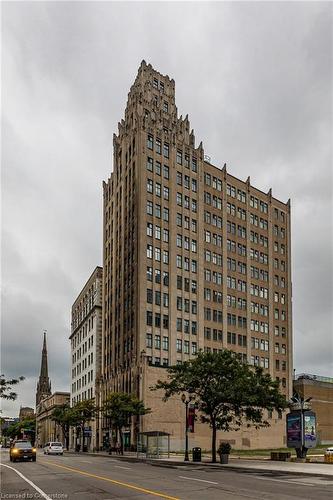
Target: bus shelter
<point x="153" y="444"/>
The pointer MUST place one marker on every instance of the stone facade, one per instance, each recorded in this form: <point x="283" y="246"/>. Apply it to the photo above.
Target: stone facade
<point x="46" y="429"/>
<point x="26" y="412"/>
<point x="193" y="259"/>
<point x="86" y="338"/>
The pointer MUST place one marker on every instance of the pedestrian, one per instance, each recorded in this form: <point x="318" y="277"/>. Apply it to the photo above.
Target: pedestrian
<point x="118" y="448"/>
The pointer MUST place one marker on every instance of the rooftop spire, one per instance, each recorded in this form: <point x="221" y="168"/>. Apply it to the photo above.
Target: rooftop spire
<point x="43" y="367"/>
<point x="43" y="384"/>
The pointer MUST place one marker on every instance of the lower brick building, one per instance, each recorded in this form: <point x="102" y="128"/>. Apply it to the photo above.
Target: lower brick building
<point x="320" y="389"/>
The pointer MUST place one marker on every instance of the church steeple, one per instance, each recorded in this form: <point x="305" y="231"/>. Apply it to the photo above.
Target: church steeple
<point x="43" y="384"/>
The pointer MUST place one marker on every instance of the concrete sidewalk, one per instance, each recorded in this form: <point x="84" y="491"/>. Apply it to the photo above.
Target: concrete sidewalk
<point x="255" y="465"/>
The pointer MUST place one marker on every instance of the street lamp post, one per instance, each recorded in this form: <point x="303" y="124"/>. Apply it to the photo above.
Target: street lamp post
<point x="186" y="402"/>
<point x="303" y="405"/>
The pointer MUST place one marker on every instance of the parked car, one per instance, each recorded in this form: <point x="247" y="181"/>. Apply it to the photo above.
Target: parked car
<point x="22" y="450"/>
<point x="53" y="448"/>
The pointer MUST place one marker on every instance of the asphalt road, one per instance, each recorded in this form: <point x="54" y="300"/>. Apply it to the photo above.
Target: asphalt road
<point x="82" y="477"/>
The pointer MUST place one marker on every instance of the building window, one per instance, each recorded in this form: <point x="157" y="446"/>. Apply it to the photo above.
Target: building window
<point x="150" y="141"/>
<point x="166" y="150"/>
<point x="149" y="208"/>
<point x="165" y="171"/>
<point x="149" y="340"/>
<point x="165" y="343"/>
<point x="158" y="254"/>
<point x="157" y="320"/>
<point x="157" y="342"/>
<point x="166" y="214"/>
<point x="166" y="256"/>
<point x="179" y="345"/>
<point x="149" y="295"/>
<point x="179" y="157"/>
<point x="150" y="164"/>
<point x="149" y="318"/>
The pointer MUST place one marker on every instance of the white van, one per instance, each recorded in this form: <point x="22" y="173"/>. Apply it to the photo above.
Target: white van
<point x="53" y="448"/>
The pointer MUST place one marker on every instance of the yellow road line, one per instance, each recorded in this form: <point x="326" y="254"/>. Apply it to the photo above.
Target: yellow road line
<point x="114" y="481"/>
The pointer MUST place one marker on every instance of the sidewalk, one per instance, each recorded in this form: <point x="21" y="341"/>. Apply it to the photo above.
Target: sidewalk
<point x="246" y="465"/>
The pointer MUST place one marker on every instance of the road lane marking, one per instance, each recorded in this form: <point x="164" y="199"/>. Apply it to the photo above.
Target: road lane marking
<point x="194" y="479"/>
<point x="289" y="481"/>
<point x="120" y="467"/>
<point x="114" y="481"/>
<point x="41" y="492"/>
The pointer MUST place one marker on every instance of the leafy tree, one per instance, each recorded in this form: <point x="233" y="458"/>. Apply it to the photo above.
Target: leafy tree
<point x="65" y="417"/>
<point x="14" y="430"/>
<point x="6" y="387"/>
<point x="228" y="392"/>
<point x="82" y="413"/>
<point x="119" y="407"/>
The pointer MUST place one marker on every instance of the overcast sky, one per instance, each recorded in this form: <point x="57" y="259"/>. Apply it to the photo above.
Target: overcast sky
<point x="256" y="81"/>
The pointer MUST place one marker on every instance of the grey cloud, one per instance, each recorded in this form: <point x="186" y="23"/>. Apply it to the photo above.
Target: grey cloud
<point x="255" y="79"/>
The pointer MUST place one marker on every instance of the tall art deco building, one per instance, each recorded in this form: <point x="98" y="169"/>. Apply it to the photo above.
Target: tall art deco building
<point x="193" y="259"/>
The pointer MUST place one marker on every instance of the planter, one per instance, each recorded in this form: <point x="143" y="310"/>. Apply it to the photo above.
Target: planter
<point x="224" y="458"/>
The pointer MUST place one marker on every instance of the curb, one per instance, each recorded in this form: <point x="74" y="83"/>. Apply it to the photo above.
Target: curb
<point x="172" y="464"/>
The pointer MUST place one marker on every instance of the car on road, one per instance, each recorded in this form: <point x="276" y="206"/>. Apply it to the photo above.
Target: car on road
<point x="22" y="450"/>
<point x="53" y="448"/>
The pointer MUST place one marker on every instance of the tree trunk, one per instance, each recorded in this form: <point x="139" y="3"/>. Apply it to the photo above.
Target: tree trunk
<point x="82" y="430"/>
<point x="121" y="441"/>
<point x="67" y="439"/>
<point x="213" y="441"/>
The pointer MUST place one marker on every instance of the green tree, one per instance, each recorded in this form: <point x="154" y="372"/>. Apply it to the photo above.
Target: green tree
<point x="82" y="413"/>
<point x="65" y="417"/>
<point x="228" y="392"/>
<point x="26" y="427"/>
<point x="6" y="387"/>
<point x="119" y="407"/>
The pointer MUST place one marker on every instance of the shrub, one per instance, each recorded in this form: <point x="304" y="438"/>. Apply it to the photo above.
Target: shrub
<point x="224" y="449"/>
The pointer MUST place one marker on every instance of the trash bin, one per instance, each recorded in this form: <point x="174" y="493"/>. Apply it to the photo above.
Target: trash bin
<point x="85" y="448"/>
<point x="77" y="447"/>
<point x="196" y="454"/>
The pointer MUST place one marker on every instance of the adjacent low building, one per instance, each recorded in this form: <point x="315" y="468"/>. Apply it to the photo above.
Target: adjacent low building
<point x="86" y="338"/>
<point x="320" y="390"/>
<point x="26" y="412"/>
<point x="46" y="428"/>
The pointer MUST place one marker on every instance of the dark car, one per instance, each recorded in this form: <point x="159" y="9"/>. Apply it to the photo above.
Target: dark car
<point x="22" y="450"/>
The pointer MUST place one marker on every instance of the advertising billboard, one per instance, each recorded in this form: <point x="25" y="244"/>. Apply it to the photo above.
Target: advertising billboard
<point x="294" y="429"/>
<point x="310" y="438"/>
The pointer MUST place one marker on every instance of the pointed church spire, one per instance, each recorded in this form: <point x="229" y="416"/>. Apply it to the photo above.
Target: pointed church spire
<point x="43" y="384"/>
<point x="43" y="367"/>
